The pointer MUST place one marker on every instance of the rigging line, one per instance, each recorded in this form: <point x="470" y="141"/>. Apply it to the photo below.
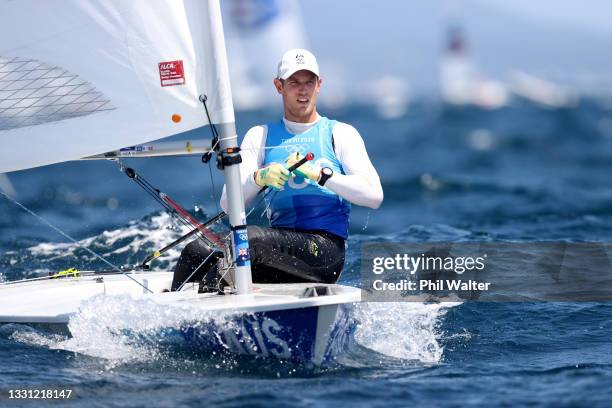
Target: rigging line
<point x="249" y="213"/>
<point x="203" y="99"/>
<point x="161" y="202"/>
<point x="158" y="253"/>
<point x="181" y="219"/>
<point x="155" y="193"/>
<point x="216" y="140"/>
<point x="212" y="238"/>
<point x="147" y="188"/>
<point x="260" y="198"/>
<point x="155" y="196"/>
<point x="214" y="146"/>
<point x="269" y="203"/>
<point x="225" y="271"/>
<point x="212" y="182"/>
<point x="225" y="138"/>
<point x="72" y="239"/>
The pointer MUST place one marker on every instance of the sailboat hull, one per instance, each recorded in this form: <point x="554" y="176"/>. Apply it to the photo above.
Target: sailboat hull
<point x="297" y="322"/>
<point x="312" y="334"/>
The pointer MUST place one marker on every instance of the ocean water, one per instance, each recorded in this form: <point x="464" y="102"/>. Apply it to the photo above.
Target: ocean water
<point x="520" y="174"/>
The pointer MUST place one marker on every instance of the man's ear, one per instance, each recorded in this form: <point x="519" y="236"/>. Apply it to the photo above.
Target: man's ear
<point x="278" y="85"/>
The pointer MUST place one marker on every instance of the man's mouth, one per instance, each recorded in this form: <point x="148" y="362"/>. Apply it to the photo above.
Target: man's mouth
<point x="303" y="100"/>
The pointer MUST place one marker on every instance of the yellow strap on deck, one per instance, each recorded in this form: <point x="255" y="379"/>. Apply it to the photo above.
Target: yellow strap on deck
<point x="65" y="273"/>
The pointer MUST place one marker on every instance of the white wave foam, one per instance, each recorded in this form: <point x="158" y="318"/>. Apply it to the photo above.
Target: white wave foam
<point x="406" y="330"/>
<point x="28" y="335"/>
<point x="123" y="329"/>
<point x="155" y="232"/>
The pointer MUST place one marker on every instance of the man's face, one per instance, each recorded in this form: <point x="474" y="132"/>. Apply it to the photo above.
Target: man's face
<point x="300" y="92"/>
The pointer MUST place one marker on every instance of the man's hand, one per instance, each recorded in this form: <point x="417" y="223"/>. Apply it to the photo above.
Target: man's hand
<point x="274" y="175"/>
<point x="306" y="170"/>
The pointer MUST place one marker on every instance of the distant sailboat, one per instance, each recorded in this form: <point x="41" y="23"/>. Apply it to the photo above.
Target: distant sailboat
<point x="390" y="96"/>
<point x="460" y="82"/>
<point x="540" y="91"/>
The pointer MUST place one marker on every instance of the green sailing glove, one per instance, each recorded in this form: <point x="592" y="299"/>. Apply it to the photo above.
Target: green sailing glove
<point x="274" y="175"/>
<point x="306" y="170"/>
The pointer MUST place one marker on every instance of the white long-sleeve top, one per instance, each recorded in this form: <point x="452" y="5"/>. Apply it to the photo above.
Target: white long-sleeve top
<point x="360" y="184"/>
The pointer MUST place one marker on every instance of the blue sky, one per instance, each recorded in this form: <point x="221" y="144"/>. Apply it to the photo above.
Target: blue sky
<point x="590" y="16"/>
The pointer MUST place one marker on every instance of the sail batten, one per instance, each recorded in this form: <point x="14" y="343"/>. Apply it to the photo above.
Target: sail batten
<point x="91" y="77"/>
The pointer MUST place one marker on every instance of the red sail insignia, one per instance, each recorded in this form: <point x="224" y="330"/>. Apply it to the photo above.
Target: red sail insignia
<point x="171" y="73"/>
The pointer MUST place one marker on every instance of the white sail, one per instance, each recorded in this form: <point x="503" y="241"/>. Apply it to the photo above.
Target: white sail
<point x="95" y="76"/>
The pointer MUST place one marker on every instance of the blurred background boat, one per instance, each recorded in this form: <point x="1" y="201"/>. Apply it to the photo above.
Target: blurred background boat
<point x="542" y="92"/>
<point x="461" y="83"/>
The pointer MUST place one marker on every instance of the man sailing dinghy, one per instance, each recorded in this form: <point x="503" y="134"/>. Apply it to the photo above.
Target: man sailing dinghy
<point x="308" y="209"/>
<point x="99" y="79"/>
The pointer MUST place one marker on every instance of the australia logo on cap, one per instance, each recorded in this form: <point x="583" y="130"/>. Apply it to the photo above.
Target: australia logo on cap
<point x="299" y="59"/>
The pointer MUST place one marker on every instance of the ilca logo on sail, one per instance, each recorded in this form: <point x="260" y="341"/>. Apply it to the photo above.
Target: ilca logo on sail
<point x="171" y="73"/>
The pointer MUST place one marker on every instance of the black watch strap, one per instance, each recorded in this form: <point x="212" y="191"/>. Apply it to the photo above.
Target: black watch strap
<point x="326" y="173"/>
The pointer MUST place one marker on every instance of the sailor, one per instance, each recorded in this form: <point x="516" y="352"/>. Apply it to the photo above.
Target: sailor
<point x="308" y="209"/>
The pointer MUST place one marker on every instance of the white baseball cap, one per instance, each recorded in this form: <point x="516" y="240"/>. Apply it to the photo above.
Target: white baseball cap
<point x="296" y="60"/>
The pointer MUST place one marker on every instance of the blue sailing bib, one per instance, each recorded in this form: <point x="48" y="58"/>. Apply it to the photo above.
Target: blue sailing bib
<point x="303" y="203"/>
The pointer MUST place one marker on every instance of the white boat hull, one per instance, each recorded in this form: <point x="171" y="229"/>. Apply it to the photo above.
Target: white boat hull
<point x="286" y="321"/>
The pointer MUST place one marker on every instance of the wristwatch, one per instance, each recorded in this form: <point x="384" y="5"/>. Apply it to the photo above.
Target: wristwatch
<point x="326" y="173"/>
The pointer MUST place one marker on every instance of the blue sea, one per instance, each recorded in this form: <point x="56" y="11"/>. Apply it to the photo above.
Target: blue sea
<point x="519" y="174"/>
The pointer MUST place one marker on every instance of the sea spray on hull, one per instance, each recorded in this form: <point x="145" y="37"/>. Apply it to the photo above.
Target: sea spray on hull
<point x="406" y="331"/>
<point x="125" y="329"/>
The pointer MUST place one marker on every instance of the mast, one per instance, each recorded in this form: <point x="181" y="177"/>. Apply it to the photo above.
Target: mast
<point x="236" y="212"/>
<point x="228" y="155"/>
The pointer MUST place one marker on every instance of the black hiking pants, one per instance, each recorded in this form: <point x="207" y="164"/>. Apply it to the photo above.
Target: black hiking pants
<point x="278" y="255"/>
